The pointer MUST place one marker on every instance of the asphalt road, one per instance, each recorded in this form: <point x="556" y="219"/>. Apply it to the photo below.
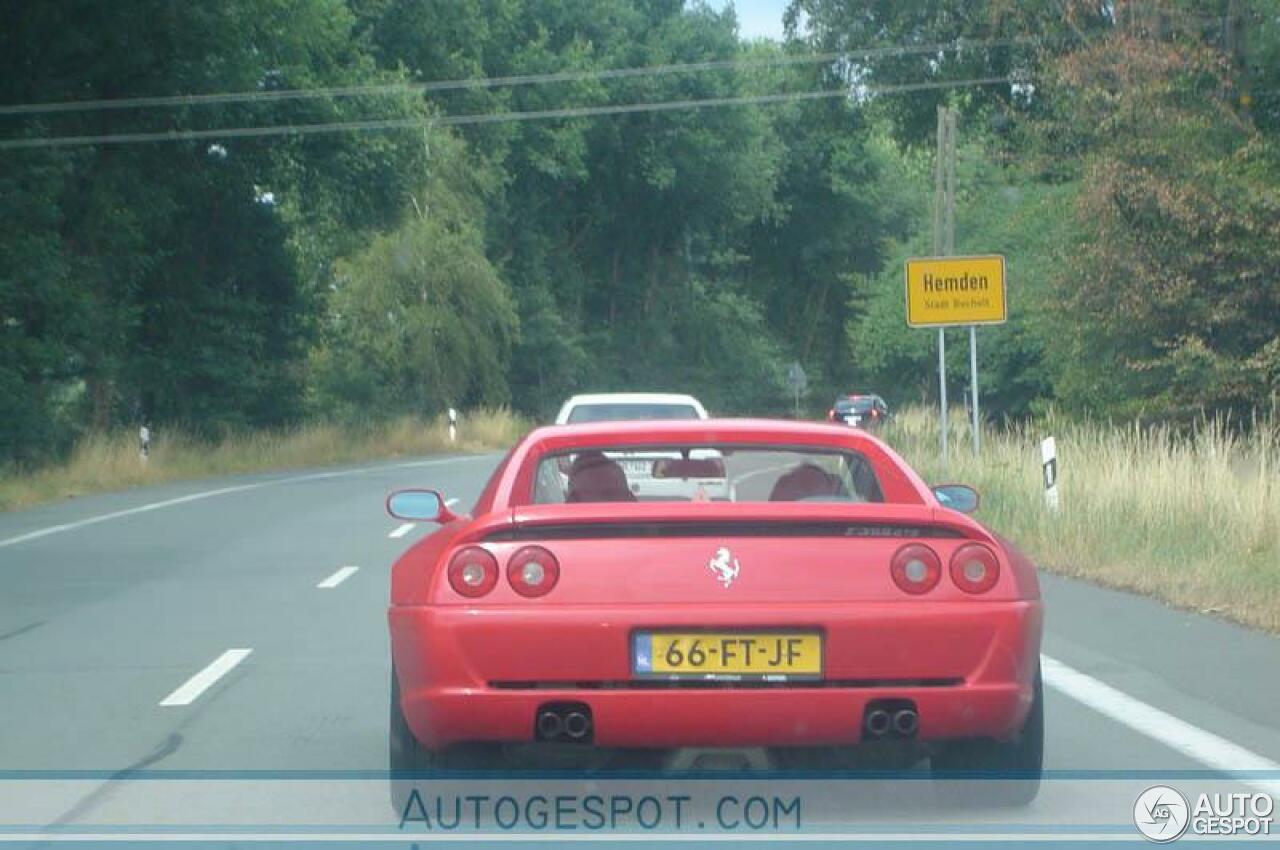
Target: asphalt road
<point x="110" y="605"/>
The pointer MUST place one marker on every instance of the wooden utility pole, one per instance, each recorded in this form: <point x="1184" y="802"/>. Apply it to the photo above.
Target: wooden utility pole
<point x="944" y="237"/>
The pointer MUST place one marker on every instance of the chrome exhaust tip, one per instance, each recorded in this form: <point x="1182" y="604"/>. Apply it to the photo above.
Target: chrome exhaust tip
<point x="878" y="722"/>
<point x="906" y="722"/>
<point x="550" y="725"/>
<point x="577" y="725"/>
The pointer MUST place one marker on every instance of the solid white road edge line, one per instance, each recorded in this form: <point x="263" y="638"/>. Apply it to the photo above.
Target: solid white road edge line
<point x="190" y="690"/>
<point x="1205" y="747"/>
<point x="337" y="578"/>
<point x="222" y="491"/>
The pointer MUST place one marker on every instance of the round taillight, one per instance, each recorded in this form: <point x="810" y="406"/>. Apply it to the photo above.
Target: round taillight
<point x="533" y="571"/>
<point x="975" y="568"/>
<point x="916" y="568"/>
<point x="473" y="572"/>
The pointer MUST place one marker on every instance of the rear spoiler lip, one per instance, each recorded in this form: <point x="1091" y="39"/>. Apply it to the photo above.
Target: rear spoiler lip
<point x="525" y="521"/>
<point x="666" y="530"/>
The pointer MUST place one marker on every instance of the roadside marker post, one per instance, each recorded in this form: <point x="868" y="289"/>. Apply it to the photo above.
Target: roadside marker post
<point x="453" y="425"/>
<point x="799" y="382"/>
<point x="1049" y="468"/>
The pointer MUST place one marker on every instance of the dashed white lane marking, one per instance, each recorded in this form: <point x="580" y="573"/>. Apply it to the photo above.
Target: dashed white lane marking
<point x="1205" y="747"/>
<point x="448" y="503"/>
<point x="190" y="690"/>
<point x="222" y="491"/>
<point x="337" y="578"/>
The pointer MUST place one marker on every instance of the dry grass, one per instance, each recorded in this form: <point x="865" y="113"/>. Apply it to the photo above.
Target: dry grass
<point x="1191" y="519"/>
<point x="106" y="462"/>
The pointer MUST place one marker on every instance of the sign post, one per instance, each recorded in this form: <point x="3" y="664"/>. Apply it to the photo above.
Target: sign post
<point x="942" y="390"/>
<point x="973" y="388"/>
<point x="947" y="291"/>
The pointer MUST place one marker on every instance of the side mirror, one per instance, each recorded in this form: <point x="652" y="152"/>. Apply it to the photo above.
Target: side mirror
<point x="957" y="497"/>
<point x="419" y="506"/>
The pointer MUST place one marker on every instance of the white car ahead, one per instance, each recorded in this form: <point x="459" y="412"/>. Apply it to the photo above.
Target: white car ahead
<point x="602" y="407"/>
<point x="648" y="474"/>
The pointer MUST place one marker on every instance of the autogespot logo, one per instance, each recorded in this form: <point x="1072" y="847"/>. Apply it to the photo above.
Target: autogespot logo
<point x="1161" y="813"/>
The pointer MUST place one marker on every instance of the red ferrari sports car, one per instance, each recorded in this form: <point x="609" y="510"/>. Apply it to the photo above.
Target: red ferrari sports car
<point x="803" y="588"/>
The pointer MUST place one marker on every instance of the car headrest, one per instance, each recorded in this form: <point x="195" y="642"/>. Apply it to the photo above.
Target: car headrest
<point x="805" y="481"/>
<point x="596" y="478"/>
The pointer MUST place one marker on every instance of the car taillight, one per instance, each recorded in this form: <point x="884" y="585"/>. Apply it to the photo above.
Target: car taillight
<point x="916" y="568"/>
<point x="533" y="571"/>
<point x="473" y="572"/>
<point x="975" y="568"/>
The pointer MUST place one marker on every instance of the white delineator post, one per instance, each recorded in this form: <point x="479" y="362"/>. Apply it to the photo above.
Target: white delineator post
<point x="1049" y="466"/>
<point x="453" y="425"/>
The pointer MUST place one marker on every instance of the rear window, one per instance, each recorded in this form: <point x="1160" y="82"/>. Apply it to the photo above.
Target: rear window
<point x="705" y="473"/>
<point x="617" y="411"/>
<point x="859" y="405"/>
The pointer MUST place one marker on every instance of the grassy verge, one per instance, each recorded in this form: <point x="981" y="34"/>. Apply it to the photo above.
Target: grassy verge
<point x="1193" y="520"/>
<point x="110" y="461"/>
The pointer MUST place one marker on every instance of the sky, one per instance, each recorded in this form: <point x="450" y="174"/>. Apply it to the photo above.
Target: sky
<point x="757" y="18"/>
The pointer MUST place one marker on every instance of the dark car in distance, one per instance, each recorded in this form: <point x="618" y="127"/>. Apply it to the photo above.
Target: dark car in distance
<point x="859" y="411"/>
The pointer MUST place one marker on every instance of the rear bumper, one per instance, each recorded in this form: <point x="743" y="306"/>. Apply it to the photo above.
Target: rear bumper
<point x="480" y="674"/>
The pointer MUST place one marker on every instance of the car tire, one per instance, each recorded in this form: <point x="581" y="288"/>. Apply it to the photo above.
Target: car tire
<point x="966" y="769"/>
<point x="405" y="752"/>
<point x="407" y="755"/>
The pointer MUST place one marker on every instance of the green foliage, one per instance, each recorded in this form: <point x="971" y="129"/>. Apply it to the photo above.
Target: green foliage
<point x="176" y="278"/>
<point x="1171" y="307"/>
<point x="254" y="282"/>
<point x="419" y="320"/>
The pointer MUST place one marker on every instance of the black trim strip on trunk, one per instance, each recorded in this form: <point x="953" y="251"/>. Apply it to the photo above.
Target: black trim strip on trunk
<point x="723" y="528"/>
<point x="722" y="684"/>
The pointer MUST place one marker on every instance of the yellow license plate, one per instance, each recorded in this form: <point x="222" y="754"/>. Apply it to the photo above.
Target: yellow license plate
<point x="765" y="655"/>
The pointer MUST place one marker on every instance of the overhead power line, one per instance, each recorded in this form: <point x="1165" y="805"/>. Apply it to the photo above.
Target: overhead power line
<point x="507" y="81"/>
<point x="485" y="118"/>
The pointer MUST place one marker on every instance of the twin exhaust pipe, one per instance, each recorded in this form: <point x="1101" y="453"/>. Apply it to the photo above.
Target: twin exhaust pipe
<point x="572" y="721"/>
<point x="563" y="722"/>
<point x="880" y="721"/>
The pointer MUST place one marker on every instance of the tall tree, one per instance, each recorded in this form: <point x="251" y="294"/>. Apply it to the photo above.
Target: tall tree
<point x="1171" y="295"/>
<point x="195" y="263"/>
